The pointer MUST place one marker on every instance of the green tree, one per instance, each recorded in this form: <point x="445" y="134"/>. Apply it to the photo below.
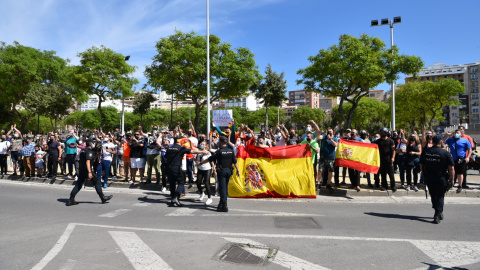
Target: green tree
<point x="23" y="69"/>
<point x="180" y="68"/>
<point x="75" y="119"/>
<point x="141" y="104"/>
<point x="371" y="114"/>
<point x="104" y="73"/>
<point x="353" y="67"/>
<point x="271" y="90"/>
<point x="304" y="114"/>
<point x="91" y="119"/>
<point x="423" y="102"/>
<point x="257" y="118"/>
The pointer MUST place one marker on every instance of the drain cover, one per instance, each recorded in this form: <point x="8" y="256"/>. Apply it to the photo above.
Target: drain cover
<point x="247" y="254"/>
<point x="296" y="223"/>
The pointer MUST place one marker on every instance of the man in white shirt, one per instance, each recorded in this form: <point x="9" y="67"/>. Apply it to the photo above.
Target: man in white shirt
<point x="108" y="150"/>
<point x="4" y="146"/>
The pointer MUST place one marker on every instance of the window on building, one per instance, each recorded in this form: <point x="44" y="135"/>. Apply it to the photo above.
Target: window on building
<point x="475" y="96"/>
<point x="474" y="76"/>
<point x="474" y="70"/>
<point x="474" y="83"/>
<point x="475" y="103"/>
<point x="474" y="90"/>
<point x="428" y="78"/>
<point x="453" y="76"/>
<point x="454" y="114"/>
<point x="446" y="77"/>
<point x="474" y="110"/>
<point x="476" y="116"/>
<point x="372" y="95"/>
<point x="421" y="79"/>
<point x="459" y="76"/>
<point x="433" y="79"/>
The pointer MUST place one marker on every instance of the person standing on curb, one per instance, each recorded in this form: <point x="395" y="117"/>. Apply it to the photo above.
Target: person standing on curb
<point x="154" y="142"/>
<point x="434" y="164"/>
<point x="87" y="157"/>
<point x="461" y="150"/>
<point x="226" y="159"/>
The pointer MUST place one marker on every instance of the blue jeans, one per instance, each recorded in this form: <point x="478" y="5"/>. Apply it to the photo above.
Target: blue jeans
<point x="105" y="166"/>
<point x="190" y="171"/>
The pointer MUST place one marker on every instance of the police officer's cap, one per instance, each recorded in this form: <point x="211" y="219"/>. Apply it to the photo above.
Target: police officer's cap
<point x="437" y="139"/>
<point x="384" y="129"/>
<point x="223" y="139"/>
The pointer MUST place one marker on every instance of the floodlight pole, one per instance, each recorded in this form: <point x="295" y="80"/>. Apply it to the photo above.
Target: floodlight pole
<point x="208" y="69"/>
<point x="390" y="23"/>
<point x="123" y="104"/>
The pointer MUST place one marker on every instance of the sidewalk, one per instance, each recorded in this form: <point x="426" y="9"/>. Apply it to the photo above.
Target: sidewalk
<point x="473" y="180"/>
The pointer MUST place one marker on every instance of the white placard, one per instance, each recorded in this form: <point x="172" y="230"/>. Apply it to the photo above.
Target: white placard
<point x="221" y="118"/>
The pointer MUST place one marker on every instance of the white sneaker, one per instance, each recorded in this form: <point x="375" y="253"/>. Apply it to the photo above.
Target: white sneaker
<point x="164" y="190"/>
<point x="415" y="188"/>
<point x="208" y="202"/>
<point x="201" y="197"/>
<point x="408" y="188"/>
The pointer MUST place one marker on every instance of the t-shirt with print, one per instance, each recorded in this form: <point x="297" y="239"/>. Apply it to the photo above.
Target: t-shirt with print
<point x="39" y="157"/>
<point x="107" y="155"/>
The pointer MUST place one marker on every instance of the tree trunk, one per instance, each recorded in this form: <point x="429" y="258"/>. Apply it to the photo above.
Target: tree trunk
<point x="266" y="117"/>
<point x="141" y="121"/>
<point x="196" y="121"/>
<point x="102" y="117"/>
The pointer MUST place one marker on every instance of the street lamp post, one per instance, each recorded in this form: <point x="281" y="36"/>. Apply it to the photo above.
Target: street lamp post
<point x="391" y="23"/>
<point x="208" y="68"/>
<point x="123" y="104"/>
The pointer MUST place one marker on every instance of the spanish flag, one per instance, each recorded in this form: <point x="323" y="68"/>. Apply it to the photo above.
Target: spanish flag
<point x="273" y="172"/>
<point x="358" y="155"/>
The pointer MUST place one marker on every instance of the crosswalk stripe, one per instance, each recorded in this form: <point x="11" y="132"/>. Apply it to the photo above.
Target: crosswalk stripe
<point x="450" y="253"/>
<point x="281" y="258"/>
<point x="182" y="212"/>
<point x="115" y="213"/>
<point x="137" y="252"/>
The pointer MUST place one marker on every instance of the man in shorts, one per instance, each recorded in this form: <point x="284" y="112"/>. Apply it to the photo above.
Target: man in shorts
<point x="136" y="152"/>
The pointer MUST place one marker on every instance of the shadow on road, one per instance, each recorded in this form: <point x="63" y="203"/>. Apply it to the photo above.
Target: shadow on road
<point x="434" y="267"/>
<point x="65" y="200"/>
<point x="186" y="203"/>
<point x="397" y="216"/>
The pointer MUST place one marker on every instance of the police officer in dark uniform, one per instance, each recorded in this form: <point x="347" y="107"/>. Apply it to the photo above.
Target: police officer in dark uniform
<point x="225" y="158"/>
<point x="435" y="162"/>
<point x="85" y="170"/>
<point x="174" y="156"/>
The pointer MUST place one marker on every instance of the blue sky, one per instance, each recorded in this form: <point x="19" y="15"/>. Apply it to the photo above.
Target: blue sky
<point x="283" y="33"/>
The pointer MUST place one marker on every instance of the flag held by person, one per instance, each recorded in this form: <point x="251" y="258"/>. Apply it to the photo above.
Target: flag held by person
<point x="360" y="156"/>
<point x="274" y="172"/>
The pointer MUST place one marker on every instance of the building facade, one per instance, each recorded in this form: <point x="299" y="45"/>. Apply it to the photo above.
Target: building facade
<point x="304" y="98"/>
<point x="248" y="102"/>
<point x="468" y="110"/>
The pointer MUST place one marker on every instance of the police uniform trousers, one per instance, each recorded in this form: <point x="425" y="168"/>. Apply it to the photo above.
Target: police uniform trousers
<point x="175" y="175"/>
<point x="223" y="178"/>
<point x="82" y="177"/>
<point x="436" y="188"/>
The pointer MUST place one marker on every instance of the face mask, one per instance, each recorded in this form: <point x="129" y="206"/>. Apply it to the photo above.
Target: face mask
<point x="309" y="140"/>
<point x="279" y="134"/>
<point x="309" y="129"/>
<point x="154" y="132"/>
<point x="80" y="142"/>
<point x="176" y="134"/>
<point x="201" y="146"/>
<point x="38" y="138"/>
<point x="249" y="135"/>
<point x="16" y="135"/>
<point x="457" y="136"/>
<point x="93" y="136"/>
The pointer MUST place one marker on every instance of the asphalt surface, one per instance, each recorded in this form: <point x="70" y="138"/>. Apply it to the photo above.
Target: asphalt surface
<point x="139" y="230"/>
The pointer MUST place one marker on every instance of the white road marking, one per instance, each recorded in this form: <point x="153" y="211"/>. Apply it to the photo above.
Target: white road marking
<point x="68" y="265"/>
<point x="182" y="212"/>
<point x="468" y="250"/>
<point x="137" y="252"/>
<point x="281" y="258"/>
<point x="259" y="215"/>
<point x="115" y="213"/>
<point x="450" y="253"/>
<point x="142" y="204"/>
<point x="56" y="248"/>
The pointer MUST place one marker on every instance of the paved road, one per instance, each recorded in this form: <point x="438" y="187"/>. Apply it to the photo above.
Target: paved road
<point x="138" y="230"/>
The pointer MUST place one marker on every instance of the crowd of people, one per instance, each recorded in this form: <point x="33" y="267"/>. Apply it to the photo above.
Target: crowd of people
<point x="142" y="153"/>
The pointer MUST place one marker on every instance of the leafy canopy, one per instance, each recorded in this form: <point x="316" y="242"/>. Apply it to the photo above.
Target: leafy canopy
<point x="354" y="66"/>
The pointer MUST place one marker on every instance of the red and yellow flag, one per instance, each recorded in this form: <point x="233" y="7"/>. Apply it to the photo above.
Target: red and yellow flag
<point x="358" y="155"/>
<point x="274" y="172"/>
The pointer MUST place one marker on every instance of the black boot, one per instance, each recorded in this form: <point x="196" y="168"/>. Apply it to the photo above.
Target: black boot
<point x="106" y="198"/>
<point x="72" y="201"/>
<point x="225" y="208"/>
<point x="220" y="207"/>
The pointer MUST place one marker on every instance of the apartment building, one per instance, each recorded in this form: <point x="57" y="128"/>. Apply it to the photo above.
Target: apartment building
<point x="304" y="98"/>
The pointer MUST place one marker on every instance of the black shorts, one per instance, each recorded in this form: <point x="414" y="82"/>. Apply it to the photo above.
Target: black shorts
<point x="14" y="155"/>
<point x="460" y="166"/>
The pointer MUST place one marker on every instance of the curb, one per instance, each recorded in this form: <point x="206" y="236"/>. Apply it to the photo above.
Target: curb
<point x="337" y="192"/>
